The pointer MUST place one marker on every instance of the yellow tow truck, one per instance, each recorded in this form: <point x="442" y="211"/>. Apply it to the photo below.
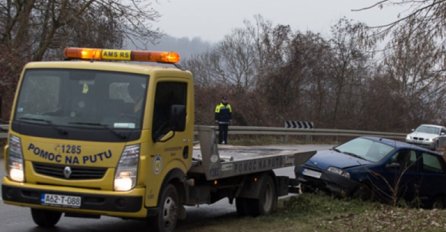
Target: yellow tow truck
<point x="90" y="136"/>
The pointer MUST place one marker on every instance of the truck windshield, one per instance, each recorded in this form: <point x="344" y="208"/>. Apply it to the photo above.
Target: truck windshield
<point x="77" y="102"/>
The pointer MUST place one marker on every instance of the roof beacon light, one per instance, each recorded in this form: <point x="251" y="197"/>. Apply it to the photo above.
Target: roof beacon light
<point x="114" y="54"/>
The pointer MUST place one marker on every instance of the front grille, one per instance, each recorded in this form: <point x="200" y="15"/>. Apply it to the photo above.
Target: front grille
<point x="77" y="173"/>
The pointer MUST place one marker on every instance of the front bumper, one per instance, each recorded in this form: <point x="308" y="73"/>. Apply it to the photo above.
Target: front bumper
<point x="331" y="182"/>
<point x="95" y="202"/>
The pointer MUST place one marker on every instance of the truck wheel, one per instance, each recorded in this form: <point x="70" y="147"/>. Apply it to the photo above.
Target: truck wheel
<point x="168" y="211"/>
<point x="267" y="201"/>
<point x="45" y="218"/>
<point x="241" y="204"/>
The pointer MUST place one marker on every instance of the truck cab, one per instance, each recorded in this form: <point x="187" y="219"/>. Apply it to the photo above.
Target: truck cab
<point x="93" y="137"/>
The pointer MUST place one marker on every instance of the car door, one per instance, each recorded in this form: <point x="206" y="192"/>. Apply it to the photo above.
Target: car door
<point x="432" y="177"/>
<point x="401" y="175"/>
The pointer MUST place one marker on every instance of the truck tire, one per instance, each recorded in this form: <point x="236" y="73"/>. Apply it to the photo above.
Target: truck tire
<point x="168" y="211"/>
<point x="267" y="201"/>
<point x="45" y="218"/>
<point x="242" y="204"/>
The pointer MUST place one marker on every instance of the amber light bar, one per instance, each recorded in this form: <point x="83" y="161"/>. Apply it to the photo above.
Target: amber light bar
<point x="115" y="54"/>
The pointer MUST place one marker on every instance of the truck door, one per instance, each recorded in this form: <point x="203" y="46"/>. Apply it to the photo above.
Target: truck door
<point x="171" y="142"/>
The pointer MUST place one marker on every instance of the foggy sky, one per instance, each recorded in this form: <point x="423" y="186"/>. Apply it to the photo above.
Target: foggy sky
<point x="212" y="19"/>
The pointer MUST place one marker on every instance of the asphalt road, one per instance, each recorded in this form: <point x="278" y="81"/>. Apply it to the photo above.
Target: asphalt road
<point x="13" y="219"/>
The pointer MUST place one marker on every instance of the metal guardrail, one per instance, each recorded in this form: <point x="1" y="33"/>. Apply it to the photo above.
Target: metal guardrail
<point x="280" y="131"/>
<point x="248" y="130"/>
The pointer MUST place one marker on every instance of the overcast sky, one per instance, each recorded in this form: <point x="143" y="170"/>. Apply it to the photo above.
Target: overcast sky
<point x="212" y="19"/>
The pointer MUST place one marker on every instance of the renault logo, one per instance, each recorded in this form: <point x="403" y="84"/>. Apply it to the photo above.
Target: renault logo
<point x="67" y="172"/>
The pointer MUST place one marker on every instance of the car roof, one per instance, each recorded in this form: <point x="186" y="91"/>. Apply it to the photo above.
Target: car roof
<point x="399" y="144"/>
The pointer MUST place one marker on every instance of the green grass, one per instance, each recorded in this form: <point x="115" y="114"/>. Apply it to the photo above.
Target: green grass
<point x="319" y="212"/>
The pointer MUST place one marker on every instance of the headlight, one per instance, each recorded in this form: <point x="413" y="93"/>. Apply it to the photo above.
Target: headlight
<point x="15" y="160"/>
<point x="127" y="170"/>
<point x="339" y="172"/>
<point x="429" y="140"/>
<point x="408" y="137"/>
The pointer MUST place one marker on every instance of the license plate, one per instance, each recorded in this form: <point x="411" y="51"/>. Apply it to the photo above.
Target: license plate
<point x="60" y="200"/>
<point x="311" y="173"/>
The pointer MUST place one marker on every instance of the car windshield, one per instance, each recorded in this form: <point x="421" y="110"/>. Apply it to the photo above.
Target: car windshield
<point x="428" y="129"/>
<point x="82" y="98"/>
<point x="365" y="149"/>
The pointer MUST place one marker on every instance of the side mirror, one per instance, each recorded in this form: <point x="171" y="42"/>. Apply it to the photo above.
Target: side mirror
<point x="177" y="120"/>
<point x="412" y="130"/>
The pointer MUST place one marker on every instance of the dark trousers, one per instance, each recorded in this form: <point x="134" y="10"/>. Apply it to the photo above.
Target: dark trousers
<point x="223" y="133"/>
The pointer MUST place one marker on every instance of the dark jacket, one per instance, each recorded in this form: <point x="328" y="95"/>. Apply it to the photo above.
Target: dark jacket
<point x="223" y="113"/>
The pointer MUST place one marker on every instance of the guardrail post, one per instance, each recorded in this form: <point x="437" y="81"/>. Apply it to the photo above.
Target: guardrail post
<point x="309" y="139"/>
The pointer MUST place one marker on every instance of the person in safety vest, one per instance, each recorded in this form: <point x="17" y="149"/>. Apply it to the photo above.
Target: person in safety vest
<point x="223" y="116"/>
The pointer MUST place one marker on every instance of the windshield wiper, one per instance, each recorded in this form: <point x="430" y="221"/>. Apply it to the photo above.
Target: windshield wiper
<point x="353" y="154"/>
<point x="48" y="122"/>
<point x="105" y="126"/>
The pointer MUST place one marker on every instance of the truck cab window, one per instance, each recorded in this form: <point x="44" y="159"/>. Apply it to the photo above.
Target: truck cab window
<point x="166" y="95"/>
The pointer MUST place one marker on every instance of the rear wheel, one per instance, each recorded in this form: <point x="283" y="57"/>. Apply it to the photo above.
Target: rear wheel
<point x="168" y="211"/>
<point x="242" y="206"/>
<point x="45" y="218"/>
<point x="267" y="201"/>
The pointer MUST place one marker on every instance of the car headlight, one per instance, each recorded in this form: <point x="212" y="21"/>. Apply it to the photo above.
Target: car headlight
<point x="127" y="170"/>
<point x="339" y="172"/>
<point x="429" y="140"/>
<point x="15" y="160"/>
<point x="408" y="137"/>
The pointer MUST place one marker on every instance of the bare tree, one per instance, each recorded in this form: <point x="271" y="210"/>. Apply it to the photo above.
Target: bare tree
<point x="349" y="69"/>
<point x="33" y="30"/>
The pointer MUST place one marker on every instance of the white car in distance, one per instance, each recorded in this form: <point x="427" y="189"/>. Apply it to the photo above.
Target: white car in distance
<point x="427" y="135"/>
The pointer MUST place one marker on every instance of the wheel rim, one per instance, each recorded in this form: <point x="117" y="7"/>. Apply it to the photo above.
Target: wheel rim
<point x="169" y="212"/>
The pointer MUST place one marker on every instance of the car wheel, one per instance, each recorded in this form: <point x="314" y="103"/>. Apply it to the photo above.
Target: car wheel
<point x="364" y="192"/>
<point x="439" y="203"/>
<point x="45" y="218"/>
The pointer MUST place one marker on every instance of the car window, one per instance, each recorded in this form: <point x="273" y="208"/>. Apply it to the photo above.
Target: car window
<point x="431" y="163"/>
<point x="406" y="158"/>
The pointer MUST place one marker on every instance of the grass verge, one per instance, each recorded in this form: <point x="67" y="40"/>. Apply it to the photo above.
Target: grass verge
<point x="319" y="212"/>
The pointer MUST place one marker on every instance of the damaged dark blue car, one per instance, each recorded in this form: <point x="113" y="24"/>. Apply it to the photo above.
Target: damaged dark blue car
<point x="378" y="168"/>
